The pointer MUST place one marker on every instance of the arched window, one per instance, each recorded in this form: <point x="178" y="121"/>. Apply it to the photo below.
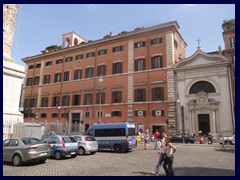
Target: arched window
<point x="202" y="86"/>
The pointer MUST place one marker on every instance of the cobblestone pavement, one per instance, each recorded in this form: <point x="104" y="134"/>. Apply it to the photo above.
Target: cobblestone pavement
<point x="189" y="160"/>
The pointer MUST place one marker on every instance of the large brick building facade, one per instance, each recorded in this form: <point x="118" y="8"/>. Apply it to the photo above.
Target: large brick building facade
<point x="126" y="77"/>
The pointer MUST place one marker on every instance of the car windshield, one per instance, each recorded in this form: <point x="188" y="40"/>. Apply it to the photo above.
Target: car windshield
<point x="131" y="131"/>
<point x="31" y="141"/>
<point x="69" y="139"/>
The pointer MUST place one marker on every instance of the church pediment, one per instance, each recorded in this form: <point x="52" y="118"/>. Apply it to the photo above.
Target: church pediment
<point x="200" y="58"/>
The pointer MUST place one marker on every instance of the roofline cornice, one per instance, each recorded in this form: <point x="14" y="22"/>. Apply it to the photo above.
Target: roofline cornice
<point x="172" y="25"/>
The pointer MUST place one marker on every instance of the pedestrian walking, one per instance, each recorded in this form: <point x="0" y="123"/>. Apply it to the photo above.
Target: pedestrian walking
<point x="161" y="152"/>
<point x="156" y="139"/>
<point x="146" y="139"/>
<point x="170" y="149"/>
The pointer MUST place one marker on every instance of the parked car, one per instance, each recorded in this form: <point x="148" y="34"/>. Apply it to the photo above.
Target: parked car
<point x="74" y="133"/>
<point x="62" y="146"/>
<point x="86" y="144"/>
<point x="179" y="138"/>
<point x="25" y="149"/>
<point x="227" y="140"/>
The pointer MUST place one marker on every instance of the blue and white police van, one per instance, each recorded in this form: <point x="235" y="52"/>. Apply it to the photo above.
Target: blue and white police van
<point x="120" y="137"/>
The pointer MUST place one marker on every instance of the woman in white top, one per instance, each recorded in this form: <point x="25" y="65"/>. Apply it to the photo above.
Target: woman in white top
<point x="161" y="152"/>
<point x="168" y="162"/>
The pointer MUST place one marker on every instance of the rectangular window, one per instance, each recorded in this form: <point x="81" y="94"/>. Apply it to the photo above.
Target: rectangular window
<point x="90" y="55"/>
<point x="233" y="60"/>
<point x="100" y="96"/>
<point x="158" y="94"/>
<point x="110" y="132"/>
<point x="65" y="100"/>
<point x="47" y="79"/>
<point x="157" y="62"/>
<point x="33" y="102"/>
<point x="89" y="72"/>
<point x="116" y="113"/>
<point x="232" y="42"/>
<point x="59" y="61"/>
<point x="140" y="113"/>
<point x="44" y="102"/>
<point x="49" y="63"/>
<point x="87" y="99"/>
<point x="140" y="95"/>
<point x="76" y="99"/>
<point x="78" y="57"/>
<point x="66" y="76"/>
<point x="101" y="70"/>
<point x="78" y="74"/>
<point x="29" y="81"/>
<point x="64" y="115"/>
<point x="117" y="97"/>
<point x="68" y="59"/>
<point x="156" y="41"/>
<point x="117" y="48"/>
<point x="36" y="80"/>
<point x="31" y="67"/>
<point x="55" y="101"/>
<point x="99" y="114"/>
<point x="43" y="115"/>
<point x="140" y="64"/>
<point x="140" y="44"/>
<point x="87" y="114"/>
<point x="117" y="68"/>
<point x="38" y="65"/>
<point x="54" y="115"/>
<point x="157" y="112"/>
<point x="57" y="77"/>
<point x="102" y="52"/>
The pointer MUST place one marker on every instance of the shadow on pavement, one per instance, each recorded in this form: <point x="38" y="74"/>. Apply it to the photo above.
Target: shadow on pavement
<point x="196" y="171"/>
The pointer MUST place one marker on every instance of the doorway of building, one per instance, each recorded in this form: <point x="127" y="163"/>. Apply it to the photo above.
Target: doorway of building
<point x="75" y="122"/>
<point x="157" y="127"/>
<point x="204" y="123"/>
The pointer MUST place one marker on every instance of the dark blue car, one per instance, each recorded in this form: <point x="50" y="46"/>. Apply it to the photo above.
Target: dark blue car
<point x="62" y="146"/>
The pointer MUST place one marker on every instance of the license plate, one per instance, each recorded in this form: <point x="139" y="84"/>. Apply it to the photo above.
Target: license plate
<point x="72" y="152"/>
<point x="43" y="154"/>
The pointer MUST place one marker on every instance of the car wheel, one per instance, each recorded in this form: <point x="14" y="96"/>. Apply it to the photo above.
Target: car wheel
<point x="73" y="156"/>
<point x="58" y="155"/>
<point x="43" y="161"/>
<point x="17" y="161"/>
<point x="117" y="148"/>
<point x="81" y="151"/>
<point x="125" y="150"/>
<point x="92" y="152"/>
<point x="227" y="142"/>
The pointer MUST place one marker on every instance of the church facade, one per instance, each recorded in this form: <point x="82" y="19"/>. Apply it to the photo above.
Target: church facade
<point x="203" y="84"/>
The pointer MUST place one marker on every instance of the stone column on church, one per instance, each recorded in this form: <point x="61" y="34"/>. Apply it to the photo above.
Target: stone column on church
<point x="214" y="123"/>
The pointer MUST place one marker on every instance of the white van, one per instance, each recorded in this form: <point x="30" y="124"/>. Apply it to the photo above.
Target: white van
<point x="120" y="137"/>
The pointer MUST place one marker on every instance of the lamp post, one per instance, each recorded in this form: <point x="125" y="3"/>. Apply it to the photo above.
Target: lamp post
<point x="100" y="100"/>
<point x="183" y="125"/>
<point x="182" y="116"/>
<point x="59" y="107"/>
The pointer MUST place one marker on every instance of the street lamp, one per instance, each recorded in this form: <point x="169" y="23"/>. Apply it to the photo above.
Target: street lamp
<point x="100" y="100"/>
<point x="183" y="125"/>
<point x="59" y="107"/>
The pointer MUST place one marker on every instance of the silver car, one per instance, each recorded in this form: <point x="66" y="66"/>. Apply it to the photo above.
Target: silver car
<point x="26" y="149"/>
<point x="86" y="144"/>
<point x="227" y="140"/>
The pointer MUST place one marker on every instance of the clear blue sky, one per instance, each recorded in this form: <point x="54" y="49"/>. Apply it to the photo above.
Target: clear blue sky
<point x="39" y="26"/>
